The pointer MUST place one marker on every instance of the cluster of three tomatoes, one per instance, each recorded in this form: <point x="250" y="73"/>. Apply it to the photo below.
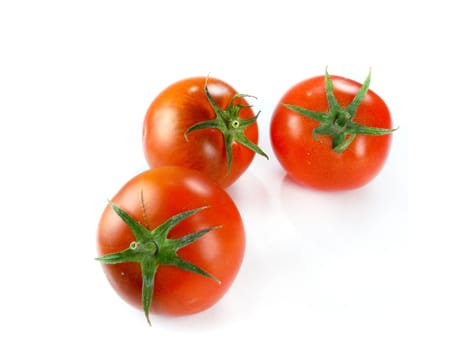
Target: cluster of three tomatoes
<point x="171" y="241"/>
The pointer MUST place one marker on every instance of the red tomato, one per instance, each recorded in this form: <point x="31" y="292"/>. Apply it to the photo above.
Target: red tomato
<point x="335" y="147"/>
<point x="223" y="133"/>
<point x="181" y="285"/>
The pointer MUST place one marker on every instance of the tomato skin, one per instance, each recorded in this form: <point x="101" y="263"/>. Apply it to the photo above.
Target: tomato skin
<point x="168" y="191"/>
<point x="313" y="163"/>
<point x="179" y="107"/>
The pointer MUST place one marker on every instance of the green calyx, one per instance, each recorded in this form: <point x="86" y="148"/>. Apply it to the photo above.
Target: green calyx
<point x="229" y="124"/>
<point x="338" y="122"/>
<point x="153" y="248"/>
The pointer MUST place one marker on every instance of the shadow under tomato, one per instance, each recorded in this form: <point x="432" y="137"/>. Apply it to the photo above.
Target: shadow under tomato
<point x="333" y="219"/>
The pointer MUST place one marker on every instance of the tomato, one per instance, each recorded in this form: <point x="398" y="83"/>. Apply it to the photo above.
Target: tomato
<point x="331" y="133"/>
<point x="154" y="212"/>
<point x="202" y="124"/>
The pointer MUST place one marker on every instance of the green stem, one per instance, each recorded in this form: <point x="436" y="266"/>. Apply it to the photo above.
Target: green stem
<point x="153" y="248"/>
<point x="338" y="122"/>
<point x="229" y="123"/>
<point x="149" y="248"/>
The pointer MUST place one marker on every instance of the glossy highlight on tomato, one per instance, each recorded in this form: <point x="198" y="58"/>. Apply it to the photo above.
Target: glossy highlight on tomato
<point x="210" y="261"/>
<point x="331" y="157"/>
<point x="203" y="124"/>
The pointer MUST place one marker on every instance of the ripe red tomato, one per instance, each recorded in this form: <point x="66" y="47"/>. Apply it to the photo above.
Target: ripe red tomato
<point x="204" y="125"/>
<point x="185" y="280"/>
<point x="331" y="133"/>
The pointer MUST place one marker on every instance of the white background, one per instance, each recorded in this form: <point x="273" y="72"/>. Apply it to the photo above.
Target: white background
<point x="381" y="267"/>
